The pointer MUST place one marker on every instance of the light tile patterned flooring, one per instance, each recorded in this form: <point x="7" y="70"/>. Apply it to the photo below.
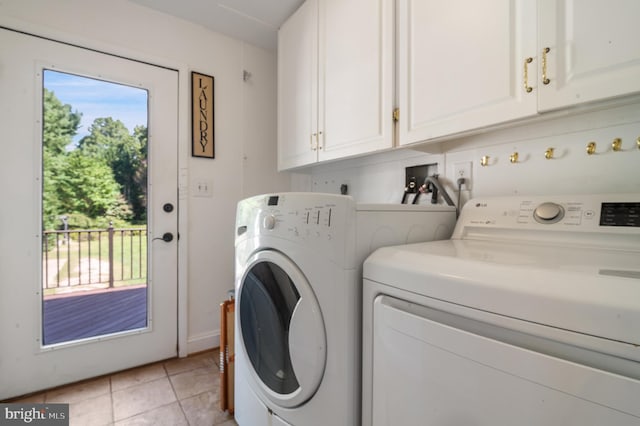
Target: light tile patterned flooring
<point x="176" y="392"/>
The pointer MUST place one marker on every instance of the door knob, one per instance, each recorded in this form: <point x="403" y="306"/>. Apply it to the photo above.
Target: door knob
<point x="167" y="237"/>
<point x="168" y="207"/>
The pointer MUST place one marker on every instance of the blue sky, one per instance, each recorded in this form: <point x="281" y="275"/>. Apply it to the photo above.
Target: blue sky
<point x="96" y="98"/>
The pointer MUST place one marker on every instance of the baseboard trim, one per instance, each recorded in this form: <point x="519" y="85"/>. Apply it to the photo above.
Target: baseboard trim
<point x="203" y="342"/>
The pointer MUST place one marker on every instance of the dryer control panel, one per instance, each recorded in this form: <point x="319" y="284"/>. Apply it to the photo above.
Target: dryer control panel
<point x="585" y="218"/>
<point x="620" y="214"/>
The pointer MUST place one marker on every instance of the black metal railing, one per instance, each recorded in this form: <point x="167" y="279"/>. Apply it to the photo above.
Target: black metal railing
<point x="94" y="256"/>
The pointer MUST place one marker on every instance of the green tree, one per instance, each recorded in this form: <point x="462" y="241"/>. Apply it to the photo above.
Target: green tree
<point x="139" y="201"/>
<point x="60" y="125"/>
<point x="88" y="186"/>
<point x="109" y="141"/>
<point x="104" y="177"/>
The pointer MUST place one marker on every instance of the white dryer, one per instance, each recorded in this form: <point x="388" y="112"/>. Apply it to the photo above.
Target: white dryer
<point x="298" y="301"/>
<point x="529" y="315"/>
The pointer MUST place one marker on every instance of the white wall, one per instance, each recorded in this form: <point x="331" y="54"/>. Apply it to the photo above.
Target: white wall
<point x="245" y="134"/>
<point x="380" y="177"/>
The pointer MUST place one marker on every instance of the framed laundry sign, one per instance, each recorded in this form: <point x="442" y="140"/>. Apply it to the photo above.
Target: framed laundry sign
<point x="202" y="141"/>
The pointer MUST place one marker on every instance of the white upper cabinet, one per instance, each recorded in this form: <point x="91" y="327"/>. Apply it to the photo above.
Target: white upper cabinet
<point x="335" y="81"/>
<point x="593" y="50"/>
<point x="356" y="77"/>
<point x="464" y="65"/>
<point x="298" y="87"/>
<point x="460" y="66"/>
<point x="467" y="65"/>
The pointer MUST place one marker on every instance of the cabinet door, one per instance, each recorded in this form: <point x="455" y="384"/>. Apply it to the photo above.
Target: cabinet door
<point x="297" y="87"/>
<point x="356" y="77"/>
<point x="594" y="51"/>
<point x="461" y="65"/>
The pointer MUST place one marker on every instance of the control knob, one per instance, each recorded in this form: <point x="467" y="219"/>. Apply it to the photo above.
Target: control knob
<point x="548" y="213"/>
<point x="269" y="222"/>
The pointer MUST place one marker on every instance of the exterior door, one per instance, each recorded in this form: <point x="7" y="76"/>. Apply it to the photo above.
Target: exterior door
<point x="26" y="363"/>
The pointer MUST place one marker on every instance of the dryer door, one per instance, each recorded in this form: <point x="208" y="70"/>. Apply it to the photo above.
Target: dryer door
<point x="281" y="328"/>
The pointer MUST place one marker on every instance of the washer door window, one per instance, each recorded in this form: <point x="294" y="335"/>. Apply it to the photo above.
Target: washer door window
<point x="281" y="329"/>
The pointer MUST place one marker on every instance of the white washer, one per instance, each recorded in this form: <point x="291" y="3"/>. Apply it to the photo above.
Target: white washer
<point x="529" y="315"/>
<point x="298" y="301"/>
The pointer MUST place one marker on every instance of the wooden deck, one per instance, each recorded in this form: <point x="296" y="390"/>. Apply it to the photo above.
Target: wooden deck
<point x="78" y="316"/>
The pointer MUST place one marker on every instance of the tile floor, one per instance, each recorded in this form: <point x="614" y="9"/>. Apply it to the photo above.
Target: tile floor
<point x="176" y="392"/>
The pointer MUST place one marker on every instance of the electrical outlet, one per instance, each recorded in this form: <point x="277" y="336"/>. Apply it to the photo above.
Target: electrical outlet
<point x="462" y="170"/>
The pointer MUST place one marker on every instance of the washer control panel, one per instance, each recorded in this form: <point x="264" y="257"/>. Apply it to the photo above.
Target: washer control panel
<point x="312" y="218"/>
<point x="300" y="220"/>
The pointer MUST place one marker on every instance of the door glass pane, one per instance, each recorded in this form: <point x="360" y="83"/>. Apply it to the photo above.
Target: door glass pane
<point x="94" y="203"/>
<point x="268" y="299"/>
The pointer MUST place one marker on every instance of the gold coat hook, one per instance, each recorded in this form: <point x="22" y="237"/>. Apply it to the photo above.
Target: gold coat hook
<point x="616" y="145"/>
<point x="513" y="158"/>
<point x="548" y="154"/>
<point x="591" y="148"/>
<point x="484" y="161"/>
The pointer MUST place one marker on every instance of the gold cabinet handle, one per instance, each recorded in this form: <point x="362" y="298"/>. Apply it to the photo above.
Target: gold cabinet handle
<point x="527" y="88"/>
<point x="545" y="79"/>
<point x="319" y="140"/>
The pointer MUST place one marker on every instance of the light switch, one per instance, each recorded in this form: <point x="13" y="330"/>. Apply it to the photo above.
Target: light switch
<point x="202" y="188"/>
